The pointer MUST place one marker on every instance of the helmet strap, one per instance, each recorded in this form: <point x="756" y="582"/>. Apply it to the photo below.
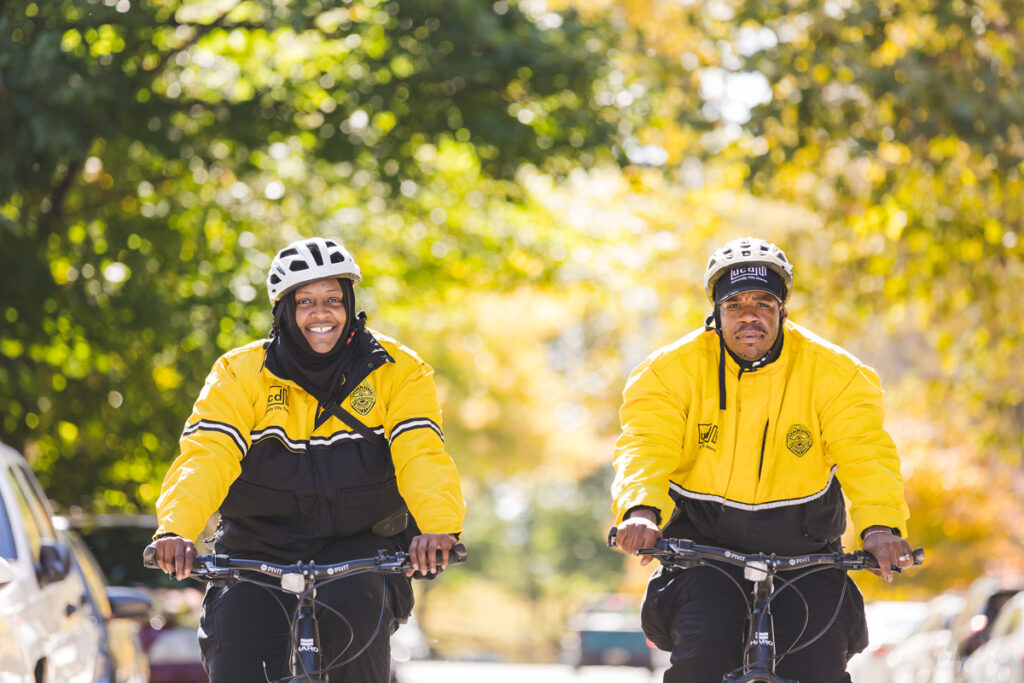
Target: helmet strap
<point x="745" y="365"/>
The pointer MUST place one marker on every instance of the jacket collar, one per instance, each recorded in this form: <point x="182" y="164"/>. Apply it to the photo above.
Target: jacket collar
<point x="764" y="365"/>
<point x="369" y="355"/>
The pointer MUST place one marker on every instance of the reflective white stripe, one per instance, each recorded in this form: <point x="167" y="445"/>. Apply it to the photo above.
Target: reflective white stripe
<point x="692" y="495"/>
<point x="279" y="433"/>
<point x="222" y="427"/>
<point x="342" y="436"/>
<point x="418" y="423"/>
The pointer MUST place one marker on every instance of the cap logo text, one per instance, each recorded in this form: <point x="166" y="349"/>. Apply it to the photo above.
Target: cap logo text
<point x="741" y="273"/>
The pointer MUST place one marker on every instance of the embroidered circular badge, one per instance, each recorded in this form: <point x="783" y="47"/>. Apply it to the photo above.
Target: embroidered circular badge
<point x="798" y="439"/>
<point x="363" y="399"/>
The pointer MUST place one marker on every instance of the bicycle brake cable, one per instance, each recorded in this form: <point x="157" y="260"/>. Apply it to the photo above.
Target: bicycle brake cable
<point x="828" y="624"/>
<point x="334" y="663"/>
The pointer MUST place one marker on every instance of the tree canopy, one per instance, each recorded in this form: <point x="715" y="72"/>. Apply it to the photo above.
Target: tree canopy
<point x="164" y="150"/>
<point x="531" y="189"/>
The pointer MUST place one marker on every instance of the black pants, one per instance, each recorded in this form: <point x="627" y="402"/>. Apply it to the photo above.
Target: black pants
<point x="700" y="616"/>
<point x="244" y="628"/>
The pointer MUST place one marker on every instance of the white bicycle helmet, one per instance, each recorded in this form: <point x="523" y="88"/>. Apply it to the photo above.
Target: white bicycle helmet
<point x="750" y="250"/>
<point x="309" y="260"/>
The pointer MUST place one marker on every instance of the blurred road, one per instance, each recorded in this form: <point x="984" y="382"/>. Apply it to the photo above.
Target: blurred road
<point x="428" y="671"/>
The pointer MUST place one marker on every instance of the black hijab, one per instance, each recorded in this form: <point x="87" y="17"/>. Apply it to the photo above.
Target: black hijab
<point x="290" y="356"/>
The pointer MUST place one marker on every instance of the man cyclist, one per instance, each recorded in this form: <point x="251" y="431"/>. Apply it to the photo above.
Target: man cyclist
<point x="746" y="435"/>
<point x="315" y="444"/>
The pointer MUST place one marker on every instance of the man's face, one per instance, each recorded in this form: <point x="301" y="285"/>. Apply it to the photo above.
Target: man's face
<point x="750" y="323"/>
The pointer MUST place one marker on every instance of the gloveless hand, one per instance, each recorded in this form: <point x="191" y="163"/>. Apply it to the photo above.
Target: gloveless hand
<point x="423" y="552"/>
<point x="174" y="556"/>
<point x="889" y="549"/>
<point x="637" y="532"/>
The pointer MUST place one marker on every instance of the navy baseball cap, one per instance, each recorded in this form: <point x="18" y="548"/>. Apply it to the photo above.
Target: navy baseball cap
<point x="749" y="277"/>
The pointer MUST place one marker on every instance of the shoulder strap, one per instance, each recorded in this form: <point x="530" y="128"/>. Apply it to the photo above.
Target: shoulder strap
<point x="397" y="521"/>
<point x="373" y="437"/>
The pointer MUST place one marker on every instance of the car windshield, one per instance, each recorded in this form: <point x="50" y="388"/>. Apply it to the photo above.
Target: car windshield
<point x="996" y="602"/>
<point x="7" y="548"/>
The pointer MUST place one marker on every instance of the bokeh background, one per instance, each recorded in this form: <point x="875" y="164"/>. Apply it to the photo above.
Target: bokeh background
<point x="532" y="190"/>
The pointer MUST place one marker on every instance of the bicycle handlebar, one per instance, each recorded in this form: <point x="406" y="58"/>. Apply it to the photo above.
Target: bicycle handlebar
<point x="684" y="552"/>
<point x="215" y="566"/>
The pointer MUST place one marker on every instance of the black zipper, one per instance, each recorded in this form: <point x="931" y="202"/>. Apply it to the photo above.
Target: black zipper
<point x="764" y="437"/>
<point x="319" y="489"/>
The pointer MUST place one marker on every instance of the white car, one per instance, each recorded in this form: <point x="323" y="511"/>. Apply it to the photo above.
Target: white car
<point x="115" y="611"/>
<point x="889" y="622"/>
<point x="925" y="656"/>
<point x="1001" y="658"/>
<point x="46" y="633"/>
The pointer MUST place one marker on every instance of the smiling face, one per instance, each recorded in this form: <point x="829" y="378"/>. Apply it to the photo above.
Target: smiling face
<point x="750" y="323"/>
<point x="320" y="313"/>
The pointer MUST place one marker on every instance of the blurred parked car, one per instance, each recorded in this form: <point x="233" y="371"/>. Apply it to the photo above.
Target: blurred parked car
<point x="409" y="643"/>
<point x="170" y="635"/>
<point x="1001" y="658"/>
<point x="969" y="629"/>
<point x="889" y="622"/>
<point x="46" y="634"/>
<point x="115" y="611"/>
<point x="924" y="656"/>
<point x="607" y="632"/>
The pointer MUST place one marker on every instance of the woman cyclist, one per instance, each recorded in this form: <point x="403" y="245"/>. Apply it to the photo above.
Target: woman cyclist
<point x="324" y="443"/>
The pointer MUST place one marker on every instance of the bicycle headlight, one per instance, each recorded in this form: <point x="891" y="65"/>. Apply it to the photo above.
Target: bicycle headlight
<point x="293" y="582"/>
<point x="755" y="571"/>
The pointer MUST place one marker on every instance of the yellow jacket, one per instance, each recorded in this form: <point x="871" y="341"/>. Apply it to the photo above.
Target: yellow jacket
<point x="257" y="447"/>
<point x="765" y="473"/>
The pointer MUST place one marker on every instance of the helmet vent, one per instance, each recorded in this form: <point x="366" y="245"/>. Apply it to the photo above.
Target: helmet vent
<point x="336" y="257"/>
<point x="315" y="251"/>
<point x="297" y="265"/>
<point x="274" y="279"/>
<point x="288" y="252"/>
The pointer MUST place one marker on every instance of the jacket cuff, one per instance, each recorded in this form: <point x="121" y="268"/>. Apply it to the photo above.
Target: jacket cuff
<point x="895" y="531"/>
<point x="656" y="511"/>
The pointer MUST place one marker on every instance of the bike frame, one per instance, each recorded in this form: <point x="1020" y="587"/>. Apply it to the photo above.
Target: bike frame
<point x="759" y="651"/>
<point x="306" y="656"/>
<point x="301" y="579"/>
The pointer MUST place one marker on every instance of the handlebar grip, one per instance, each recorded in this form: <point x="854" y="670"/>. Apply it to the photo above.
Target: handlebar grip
<point x="149" y="557"/>
<point x="916" y="553"/>
<point x="457" y="555"/>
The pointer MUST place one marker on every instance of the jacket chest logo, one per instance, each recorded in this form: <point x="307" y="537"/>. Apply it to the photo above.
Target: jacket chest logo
<point x="798" y="439"/>
<point x="363" y="398"/>
<point x="707" y="435"/>
<point x="277" y="398"/>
